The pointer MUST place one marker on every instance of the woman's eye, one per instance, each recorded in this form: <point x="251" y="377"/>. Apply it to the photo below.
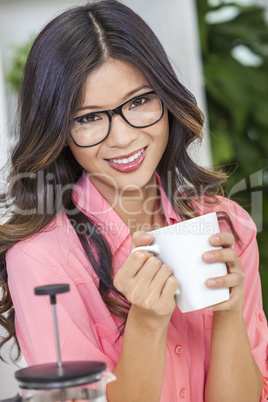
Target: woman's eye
<point x="138" y="102"/>
<point x="88" y="118"/>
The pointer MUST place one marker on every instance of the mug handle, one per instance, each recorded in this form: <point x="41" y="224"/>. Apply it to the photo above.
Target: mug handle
<point x="153" y="249"/>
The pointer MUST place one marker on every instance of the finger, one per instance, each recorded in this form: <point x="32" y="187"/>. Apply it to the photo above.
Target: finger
<point x="140" y="238"/>
<point x="170" y="287"/>
<point x="226" y="281"/>
<point x="227" y="255"/>
<point x="235" y="299"/>
<point x="149" y="270"/>
<point x="160" y="278"/>
<point x="130" y="268"/>
<point x="137" y="289"/>
<point x="223" y="239"/>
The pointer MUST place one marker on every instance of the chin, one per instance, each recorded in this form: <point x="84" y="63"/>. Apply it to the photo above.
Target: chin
<point x="136" y="181"/>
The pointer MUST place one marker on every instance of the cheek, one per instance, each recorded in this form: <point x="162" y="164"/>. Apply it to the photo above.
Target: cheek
<point x="84" y="156"/>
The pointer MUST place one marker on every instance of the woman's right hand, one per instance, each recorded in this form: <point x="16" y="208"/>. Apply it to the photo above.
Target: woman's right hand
<point x="146" y="283"/>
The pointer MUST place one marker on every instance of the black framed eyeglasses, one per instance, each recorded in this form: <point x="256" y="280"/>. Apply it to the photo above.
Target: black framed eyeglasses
<point x="141" y="111"/>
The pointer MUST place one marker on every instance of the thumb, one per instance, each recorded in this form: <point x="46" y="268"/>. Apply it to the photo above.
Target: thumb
<point x="140" y="238"/>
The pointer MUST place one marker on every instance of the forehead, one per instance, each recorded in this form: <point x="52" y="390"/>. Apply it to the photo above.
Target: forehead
<point x="109" y="84"/>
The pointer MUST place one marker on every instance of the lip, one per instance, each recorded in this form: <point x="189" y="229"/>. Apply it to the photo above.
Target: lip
<point x="131" y="166"/>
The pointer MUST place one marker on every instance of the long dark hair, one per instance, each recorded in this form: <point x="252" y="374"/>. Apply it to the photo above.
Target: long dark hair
<point x="67" y="50"/>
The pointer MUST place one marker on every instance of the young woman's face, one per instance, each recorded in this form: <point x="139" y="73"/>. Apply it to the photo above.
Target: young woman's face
<point x="106" y="88"/>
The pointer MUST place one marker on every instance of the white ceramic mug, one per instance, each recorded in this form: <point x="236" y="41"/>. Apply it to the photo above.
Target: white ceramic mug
<point x="181" y="247"/>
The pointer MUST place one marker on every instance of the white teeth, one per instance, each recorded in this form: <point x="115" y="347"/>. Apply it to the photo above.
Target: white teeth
<point x="119" y="161"/>
<point x="128" y="160"/>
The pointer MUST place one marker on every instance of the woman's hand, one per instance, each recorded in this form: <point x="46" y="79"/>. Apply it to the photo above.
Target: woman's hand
<point x="147" y="284"/>
<point x="235" y="277"/>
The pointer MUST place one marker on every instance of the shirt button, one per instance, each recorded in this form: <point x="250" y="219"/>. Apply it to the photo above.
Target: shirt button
<point x="179" y="349"/>
<point x="183" y="393"/>
<point x="261" y="316"/>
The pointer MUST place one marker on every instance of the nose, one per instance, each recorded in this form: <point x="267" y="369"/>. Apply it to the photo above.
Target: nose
<point x="121" y="134"/>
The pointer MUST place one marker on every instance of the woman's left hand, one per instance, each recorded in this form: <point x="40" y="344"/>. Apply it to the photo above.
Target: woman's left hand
<point x="235" y="277"/>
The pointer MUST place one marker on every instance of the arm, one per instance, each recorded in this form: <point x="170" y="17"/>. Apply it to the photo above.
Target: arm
<point x="233" y="373"/>
<point x="141" y="365"/>
<point x="150" y="287"/>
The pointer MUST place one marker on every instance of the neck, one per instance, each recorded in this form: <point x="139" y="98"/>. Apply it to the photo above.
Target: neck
<point x="140" y="209"/>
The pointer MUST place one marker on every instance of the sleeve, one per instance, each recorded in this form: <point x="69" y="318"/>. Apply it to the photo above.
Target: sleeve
<point x="254" y="315"/>
<point x="33" y="266"/>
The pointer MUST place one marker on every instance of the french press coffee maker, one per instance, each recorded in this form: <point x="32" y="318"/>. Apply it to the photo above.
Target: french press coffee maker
<point x="73" y="381"/>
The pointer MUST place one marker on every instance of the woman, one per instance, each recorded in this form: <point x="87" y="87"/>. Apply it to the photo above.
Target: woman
<point x="102" y="159"/>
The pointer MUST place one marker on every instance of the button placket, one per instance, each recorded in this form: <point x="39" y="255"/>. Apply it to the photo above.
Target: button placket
<point x="178" y="351"/>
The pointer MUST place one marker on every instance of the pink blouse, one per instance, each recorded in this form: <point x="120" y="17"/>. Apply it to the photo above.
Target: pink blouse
<point x="87" y="329"/>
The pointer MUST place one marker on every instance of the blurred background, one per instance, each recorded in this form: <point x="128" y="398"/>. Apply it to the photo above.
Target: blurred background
<point x="219" y="49"/>
<point x="233" y="38"/>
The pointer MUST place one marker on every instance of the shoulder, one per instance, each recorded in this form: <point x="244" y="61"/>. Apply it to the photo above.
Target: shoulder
<point x="55" y="248"/>
<point x="57" y="234"/>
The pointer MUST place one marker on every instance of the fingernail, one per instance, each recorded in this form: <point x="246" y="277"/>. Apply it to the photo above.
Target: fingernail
<point x="215" y="239"/>
<point x="208" y="256"/>
<point x="145" y="236"/>
<point x="211" y="283"/>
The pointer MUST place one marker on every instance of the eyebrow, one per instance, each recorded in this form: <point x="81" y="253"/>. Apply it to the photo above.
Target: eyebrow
<point x="126" y="97"/>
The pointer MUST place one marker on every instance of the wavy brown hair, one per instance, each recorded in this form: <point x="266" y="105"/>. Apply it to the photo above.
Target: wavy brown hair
<point x="66" y="51"/>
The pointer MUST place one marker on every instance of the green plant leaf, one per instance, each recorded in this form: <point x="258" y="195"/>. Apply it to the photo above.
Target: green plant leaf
<point x="20" y="54"/>
<point x="237" y="99"/>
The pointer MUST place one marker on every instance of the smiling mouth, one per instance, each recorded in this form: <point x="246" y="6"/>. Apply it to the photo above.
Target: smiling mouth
<point x="128" y="163"/>
<point x="132" y="158"/>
